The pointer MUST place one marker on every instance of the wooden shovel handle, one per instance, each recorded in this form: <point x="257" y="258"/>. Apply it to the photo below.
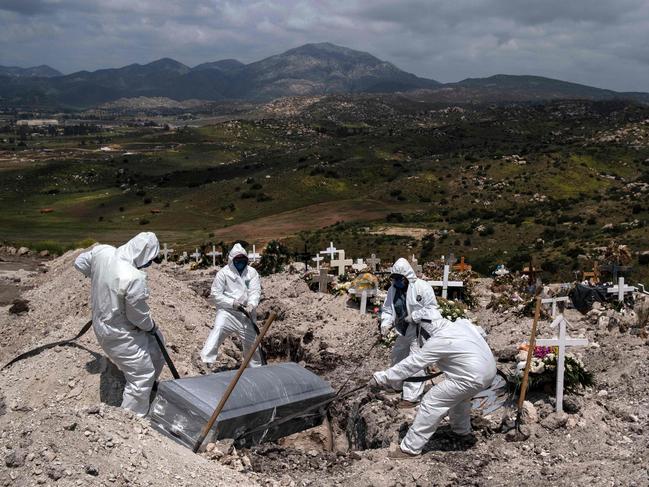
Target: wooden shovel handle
<point x="226" y="395"/>
<point x="530" y="353"/>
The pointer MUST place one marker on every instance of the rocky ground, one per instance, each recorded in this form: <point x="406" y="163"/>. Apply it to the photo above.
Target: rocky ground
<point x="60" y="424"/>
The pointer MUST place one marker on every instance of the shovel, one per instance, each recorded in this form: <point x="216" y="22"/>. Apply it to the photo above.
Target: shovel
<point x="521" y="435"/>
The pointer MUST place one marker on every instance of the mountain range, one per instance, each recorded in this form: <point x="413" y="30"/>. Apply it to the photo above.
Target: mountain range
<point x="312" y="69"/>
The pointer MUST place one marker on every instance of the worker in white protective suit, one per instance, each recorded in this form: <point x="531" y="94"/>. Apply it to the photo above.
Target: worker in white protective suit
<point x="237" y="286"/>
<point x="121" y="317"/>
<point x="409" y="301"/>
<point x="459" y="350"/>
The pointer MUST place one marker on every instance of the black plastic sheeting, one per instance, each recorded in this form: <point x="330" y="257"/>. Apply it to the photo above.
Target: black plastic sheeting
<point x="583" y="297"/>
<point x="262" y="397"/>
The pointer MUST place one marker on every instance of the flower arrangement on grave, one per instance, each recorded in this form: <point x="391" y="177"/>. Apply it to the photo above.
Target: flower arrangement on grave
<point x="341" y="287"/>
<point x="451" y="310"/>
<point x="543" y="370"/>
<point x="363" y="281"/>
<point x="512" y="292"/>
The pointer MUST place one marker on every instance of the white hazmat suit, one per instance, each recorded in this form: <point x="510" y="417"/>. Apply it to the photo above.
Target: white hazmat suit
<point x="121" y="317"/>
<point x="421" y="305"/>
<point x="229" y="289"/>
<point x="459" y="350"/>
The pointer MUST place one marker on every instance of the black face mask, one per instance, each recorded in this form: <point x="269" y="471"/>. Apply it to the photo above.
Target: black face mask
<point x="146" y="265"/>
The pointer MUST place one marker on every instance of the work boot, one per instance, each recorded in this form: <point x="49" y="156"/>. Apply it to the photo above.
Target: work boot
<point x="404" y="404"/>
<point x="399" y="454"/>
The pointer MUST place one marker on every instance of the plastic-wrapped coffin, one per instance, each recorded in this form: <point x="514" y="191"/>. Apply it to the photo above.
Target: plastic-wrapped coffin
<point x="263" y="397"/>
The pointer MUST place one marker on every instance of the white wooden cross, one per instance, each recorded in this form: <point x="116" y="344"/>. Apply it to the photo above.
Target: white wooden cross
<point x="331" y="250"/>
<point x="621" y="288"/>
<point x="254" y="256"/>
<point x="445" y="283"/>
<point x="415" y="265"/>
<point x="317" y="260"/>
<point x="197" y="256"/>
<point x="214" y="254"/>
<point x="359" y="265"/>
<point x="341" y="262"/>
<point x="323" y="281"/>
<point x="373" y="262"/>
<point x="183" y="258"/>
<point x="554" y="302"/>
<point x="365" y="294"/>
<point x="166" y="251"/>
<point x="562" y="342"/>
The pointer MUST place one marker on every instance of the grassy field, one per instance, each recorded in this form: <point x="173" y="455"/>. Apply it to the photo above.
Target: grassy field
<point x="322" y="176"/>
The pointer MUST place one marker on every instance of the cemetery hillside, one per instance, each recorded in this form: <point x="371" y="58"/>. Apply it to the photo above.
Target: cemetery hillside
<point x="311" y="213"/>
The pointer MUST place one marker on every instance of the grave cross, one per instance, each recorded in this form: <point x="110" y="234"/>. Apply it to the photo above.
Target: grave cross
<point x="620" y="289"/>
<point x="365" y="294"/>
<point x="317" y="260"/>
<point x="415" y="265"/>
<point x="614" y="269"/>
<point x="166" y="251"/>
<point x="373" y="262"/>
<point x="593" y="276"/>
<point x="554" y="301"/>
<point x="183" y="258"/>
<point x="323" y="281"/>
<point x="462" y="266"/>
<point x="331" y="250"/>
<point x="359" y="265"/>
<point x="214" y="254"/>
<point x="445" y="283"/>
<point x="254" y="256"/>
<point x="562" y="342"/>
<point x="197" y="256"/>
<point x="341" y="262"/>
<point x="530" y="271"/>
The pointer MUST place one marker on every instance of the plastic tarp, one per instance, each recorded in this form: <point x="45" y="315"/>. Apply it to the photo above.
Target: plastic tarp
<point x="583" y="297"/>
<point x="263" y="396"/>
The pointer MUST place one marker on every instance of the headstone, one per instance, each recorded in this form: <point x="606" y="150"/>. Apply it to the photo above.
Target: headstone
<point x="462" y="266"/>
<point x="445" y="283"/>
<point x="554" y="301"/>
<point x="323" y="281"/>
<point x="620" y="289"/>
<point x="373" y="262"/>
<point x="214" y="254"/>
<point x="341" y="262"/>
<point x="196" y="256"/>
<point x="317" y="260"/>
<point x="166" y="251"/>
<point x="331" y="250"/>
<point x="359" y="265"/>
<point x="254" y="256"/>
<point x="562" y="342"/>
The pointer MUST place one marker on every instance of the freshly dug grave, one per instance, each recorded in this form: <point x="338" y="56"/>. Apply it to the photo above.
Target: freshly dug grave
<point x="600" y="442"/>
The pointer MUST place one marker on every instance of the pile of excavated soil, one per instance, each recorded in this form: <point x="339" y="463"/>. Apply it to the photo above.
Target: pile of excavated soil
<point x="59" y="423"/>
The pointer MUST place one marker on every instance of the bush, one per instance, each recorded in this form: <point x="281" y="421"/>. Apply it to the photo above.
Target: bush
<point x="144" y="221"/>
<point x="274" y="258"/>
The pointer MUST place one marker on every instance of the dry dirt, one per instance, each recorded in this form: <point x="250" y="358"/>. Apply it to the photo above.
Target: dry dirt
<point x="59" y="424"/>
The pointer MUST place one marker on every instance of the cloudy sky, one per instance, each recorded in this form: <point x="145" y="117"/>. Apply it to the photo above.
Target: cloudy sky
<point x="603" y="43"/>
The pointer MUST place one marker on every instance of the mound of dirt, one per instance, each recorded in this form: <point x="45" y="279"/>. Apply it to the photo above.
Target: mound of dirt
<point x="59" y="423"/>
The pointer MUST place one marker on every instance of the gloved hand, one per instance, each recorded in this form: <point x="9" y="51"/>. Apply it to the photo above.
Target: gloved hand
<point x="250" y="308"/>
<point x="373" y="386"/>
<point x="385" y="329"/>
<point x="239" y="303"/>
<point x="408" y="319"/>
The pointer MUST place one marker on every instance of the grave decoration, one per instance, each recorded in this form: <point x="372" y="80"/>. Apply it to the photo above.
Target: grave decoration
<point x="364" y="289"/>
<point x="166" y="251"/>
<point x="512" y="293"/>
<point x="451" y="310"/>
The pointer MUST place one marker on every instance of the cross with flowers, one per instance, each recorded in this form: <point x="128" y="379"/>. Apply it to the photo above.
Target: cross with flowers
<point x="562" y="342"/>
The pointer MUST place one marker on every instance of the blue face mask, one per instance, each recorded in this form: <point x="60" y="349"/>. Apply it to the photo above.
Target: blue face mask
<point x="240" y="265"/>
<point x="146" y="265"/>
<point x="399" y="283"/>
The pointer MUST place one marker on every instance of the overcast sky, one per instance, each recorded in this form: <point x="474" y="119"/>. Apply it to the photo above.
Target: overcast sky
<point x="603" y="43"/>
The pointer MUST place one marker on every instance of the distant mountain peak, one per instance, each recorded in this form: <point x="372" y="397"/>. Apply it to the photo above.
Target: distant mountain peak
<point x="42" y="71"/>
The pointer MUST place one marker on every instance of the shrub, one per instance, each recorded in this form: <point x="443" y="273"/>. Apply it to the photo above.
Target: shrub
<point x="274" y="258"/>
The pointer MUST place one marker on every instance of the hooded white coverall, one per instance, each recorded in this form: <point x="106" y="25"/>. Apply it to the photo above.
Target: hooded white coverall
<point x="228" y="287"/>
<point x="422" y="305"/>
<point x="458" y="349"/>
<point x="120" y="314"/>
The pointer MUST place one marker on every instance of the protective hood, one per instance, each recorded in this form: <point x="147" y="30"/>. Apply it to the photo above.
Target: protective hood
<point x="236" y="250"/>
<point x="403" y="267"/>
<point x="140" y="250"/>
